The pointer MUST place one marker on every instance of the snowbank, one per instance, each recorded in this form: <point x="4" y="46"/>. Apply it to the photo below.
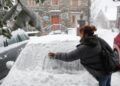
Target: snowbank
<point x="35" y="78"/>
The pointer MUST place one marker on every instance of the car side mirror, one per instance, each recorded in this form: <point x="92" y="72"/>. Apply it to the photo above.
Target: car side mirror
<point x="9" y="64"/>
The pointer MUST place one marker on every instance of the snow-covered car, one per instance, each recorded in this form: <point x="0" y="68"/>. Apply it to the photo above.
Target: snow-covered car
<point x="10" y="49"/>
<point x="116" y="46"/>
<point x="34" y="68"/>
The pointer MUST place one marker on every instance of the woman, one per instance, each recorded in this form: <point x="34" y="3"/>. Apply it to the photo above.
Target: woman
<point x="88" y="51"/>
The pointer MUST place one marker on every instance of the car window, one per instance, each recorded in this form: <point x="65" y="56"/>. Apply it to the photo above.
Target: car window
<point x="22" y="37"/>
<point x="2" y="39"/>
<point x="19" y="38"/>
<point x="12" y="40"/>
<point x="26" y="36"/>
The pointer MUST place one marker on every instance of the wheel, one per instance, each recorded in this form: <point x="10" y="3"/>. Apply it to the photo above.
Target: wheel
<point x="117" y="56"/>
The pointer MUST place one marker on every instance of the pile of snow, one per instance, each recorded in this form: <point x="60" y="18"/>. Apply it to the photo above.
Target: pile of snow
<point x="34" y="68"/>
<point x="37" y="78"/>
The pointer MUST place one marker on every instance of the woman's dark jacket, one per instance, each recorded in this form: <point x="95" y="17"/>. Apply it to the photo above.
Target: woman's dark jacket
<point x="88" y="51"/>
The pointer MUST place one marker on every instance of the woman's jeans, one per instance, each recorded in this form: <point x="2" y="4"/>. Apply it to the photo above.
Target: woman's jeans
<point x="104" y="80"/>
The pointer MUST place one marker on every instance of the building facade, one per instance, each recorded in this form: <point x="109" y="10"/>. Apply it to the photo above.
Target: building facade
<point x="66" y="12"/>
<point x="103" y="13"/>
<point x="118" y="17"/>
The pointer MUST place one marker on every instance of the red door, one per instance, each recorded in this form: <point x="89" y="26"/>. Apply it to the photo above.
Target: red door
<point x="55" y="19"/>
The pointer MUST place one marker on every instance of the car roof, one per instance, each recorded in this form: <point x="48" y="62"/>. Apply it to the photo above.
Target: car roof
<point x="51" y="38"/>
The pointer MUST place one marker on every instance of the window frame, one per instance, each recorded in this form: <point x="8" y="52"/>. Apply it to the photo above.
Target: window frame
<point x="72" y="1"/>
<point x="53" y="4"/>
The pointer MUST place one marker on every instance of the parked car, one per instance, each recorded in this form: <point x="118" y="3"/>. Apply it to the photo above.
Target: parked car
<point x="10" y="49"/>
<point x="34" y="68"/>
<point x="116" y="46"/>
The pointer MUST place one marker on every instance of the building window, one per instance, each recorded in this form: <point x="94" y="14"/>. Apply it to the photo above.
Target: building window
<point x="73" y="19"/>
<point x="74" y="2"/>
<point x="32" y="3"/>
<point x="55" y="2"/>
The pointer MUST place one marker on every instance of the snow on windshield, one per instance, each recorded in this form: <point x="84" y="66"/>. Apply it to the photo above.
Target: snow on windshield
<point x="36" y="54"/>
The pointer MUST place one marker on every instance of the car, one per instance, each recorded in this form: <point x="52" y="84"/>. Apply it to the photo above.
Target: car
<point x="116" y="47"/>
<point x="10" y="49"/>
<point x="34" y="68"/>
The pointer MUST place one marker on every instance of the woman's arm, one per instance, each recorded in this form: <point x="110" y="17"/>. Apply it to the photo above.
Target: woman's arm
<point x="70" y="56"/>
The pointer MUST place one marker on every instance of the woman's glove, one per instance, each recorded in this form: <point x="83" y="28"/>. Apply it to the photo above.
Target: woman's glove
<point x="51" y="54"/>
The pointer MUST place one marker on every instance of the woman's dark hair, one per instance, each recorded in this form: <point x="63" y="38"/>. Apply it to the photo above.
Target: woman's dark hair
<point x="88" y="30"/>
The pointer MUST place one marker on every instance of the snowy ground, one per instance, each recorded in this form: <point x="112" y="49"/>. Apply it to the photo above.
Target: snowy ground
<point x="34" y="68"/>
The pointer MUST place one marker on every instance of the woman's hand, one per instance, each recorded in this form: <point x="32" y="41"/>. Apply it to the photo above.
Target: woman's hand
<point x="51" y="54"/>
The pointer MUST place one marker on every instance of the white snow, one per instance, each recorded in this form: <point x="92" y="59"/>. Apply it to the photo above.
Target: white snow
<point x="53" y="38"/>
<point x="32" y="32"/>
<point x="34" y="68"/>
<point x="111" y="13"/>
<point x="9" y="64"/>
<point x="72" y="31"/>
<point x="108" y="7"/>
<point x="55" y="11"/>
